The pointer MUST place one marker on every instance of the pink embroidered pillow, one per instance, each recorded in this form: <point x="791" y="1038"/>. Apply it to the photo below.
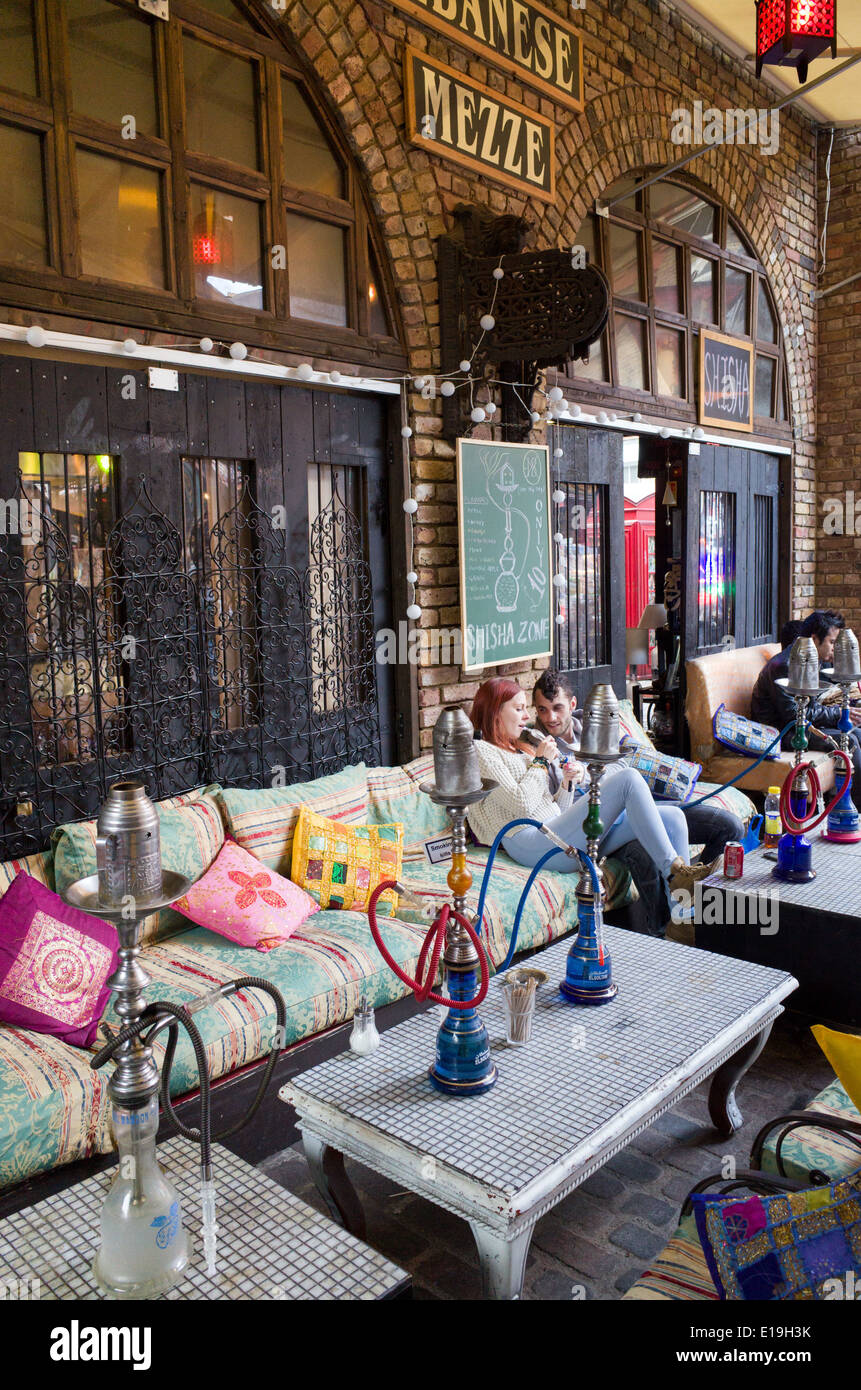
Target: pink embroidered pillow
<point x="240" y="899"/>
<point x="55" y="963"/>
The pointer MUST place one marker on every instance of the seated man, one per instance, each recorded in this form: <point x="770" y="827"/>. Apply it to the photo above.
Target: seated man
<point x="771" y="704"/>
<point x="708" y="824"/>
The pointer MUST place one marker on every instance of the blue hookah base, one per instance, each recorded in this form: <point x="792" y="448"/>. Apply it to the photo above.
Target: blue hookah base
<point x="588" y="979"/>
<point x="844" y="823"/>
<point x="794" y="860"/>
<point x="583" y="994"/>
<point x="463" y="1065"/>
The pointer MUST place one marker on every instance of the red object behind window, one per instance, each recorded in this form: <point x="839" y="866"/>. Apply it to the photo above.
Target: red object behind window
<point x="791" y="33"/>
<point x="206" y="250"/>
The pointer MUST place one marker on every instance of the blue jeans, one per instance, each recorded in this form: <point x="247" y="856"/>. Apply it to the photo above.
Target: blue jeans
<point x="629" y="811"/>
<point x="708" y="825"/>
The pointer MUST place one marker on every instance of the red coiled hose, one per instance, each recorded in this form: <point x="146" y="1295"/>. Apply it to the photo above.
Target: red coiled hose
<point x="421" y="987"/>
<point x="800" y="827"/>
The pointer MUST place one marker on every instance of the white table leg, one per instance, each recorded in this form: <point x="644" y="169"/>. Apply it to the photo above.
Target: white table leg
<point x="502" y="1261"/>
<point x="331" y="1181"/>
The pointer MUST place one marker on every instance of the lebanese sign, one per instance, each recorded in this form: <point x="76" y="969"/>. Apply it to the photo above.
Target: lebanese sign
<point x="506" y="559"/>
<point x="521" y="35"/>
<point x="466" y="122"/>
<point x="726" y="379"/>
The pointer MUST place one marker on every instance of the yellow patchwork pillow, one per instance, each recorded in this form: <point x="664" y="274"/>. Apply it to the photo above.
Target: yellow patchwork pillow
<point x="843" y="1051"/>
<point x="340" y="865"/>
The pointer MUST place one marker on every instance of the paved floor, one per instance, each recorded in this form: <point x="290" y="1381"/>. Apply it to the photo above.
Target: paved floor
<point x="598" y="1241"/>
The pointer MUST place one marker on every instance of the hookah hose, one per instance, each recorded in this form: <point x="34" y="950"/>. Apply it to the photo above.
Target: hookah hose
<point x="800" y="827"/>
<point x="421" y="986"/>
<point x="745" y="770"/>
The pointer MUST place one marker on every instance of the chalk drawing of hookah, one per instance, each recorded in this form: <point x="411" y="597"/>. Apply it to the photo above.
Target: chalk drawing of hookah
<point x="507" y="588"/>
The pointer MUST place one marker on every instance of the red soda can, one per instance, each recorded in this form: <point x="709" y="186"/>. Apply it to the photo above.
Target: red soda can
<point x="733" y="859"/>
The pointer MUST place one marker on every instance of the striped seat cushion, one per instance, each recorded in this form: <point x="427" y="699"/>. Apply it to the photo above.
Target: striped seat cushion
<point x="394" y="795"/>
<point x="263" y="821"/>
<point x="679" y="1273"/>
<point x="38" y="866"/>
<point x="806" y="1149"/>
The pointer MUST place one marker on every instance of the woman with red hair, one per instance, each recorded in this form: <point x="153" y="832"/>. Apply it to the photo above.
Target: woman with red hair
<point x="500" y="714"/>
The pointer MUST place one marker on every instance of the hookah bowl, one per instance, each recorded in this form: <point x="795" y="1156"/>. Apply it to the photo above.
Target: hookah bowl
<point x="463" y="1064"/>
<point x="144" y="1249"/>
<point x="795" y="851"/>
<point x="589" y="970"/>
<point x="844" y="823"/>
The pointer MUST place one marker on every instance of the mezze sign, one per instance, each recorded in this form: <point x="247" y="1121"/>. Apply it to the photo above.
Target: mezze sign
<point x="521" y="35"/>
<point x="468" y="123"/>
<point x="726" y="377"/>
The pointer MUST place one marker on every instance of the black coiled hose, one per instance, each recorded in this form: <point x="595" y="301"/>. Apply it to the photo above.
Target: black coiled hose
<point x="154" y="1016"/>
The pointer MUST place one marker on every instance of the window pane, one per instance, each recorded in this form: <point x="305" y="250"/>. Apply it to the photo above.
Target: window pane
<point x="596" y="368"/>
<point x="23" y="239"/>
<point x="225" y="247"/>
<point x="766" y="324"/>
<point x="377" y="322"/>
<point x="716" y="588"/>
<point x="703" y="289"/>
<point x="669" y="349"/>
<point x="308" y="158"/>
<point x="665" y="268"/>
<point x="782" y="412"/>
<point x="735" y="244"/>
<point x="120" y="221"/>
<point x="626" y="273"/>
<point x="631" y="353"/>
<point x="764" y="390"/>
<point x="683" y="209"/>
<point x="111" y="63"/>
<point x="586" y="238"/>
<point x="228" y="10"/>
<point x="17" y="54"/>
<point x="737" y="285"/>
<point x="584" y="565"/>
<point x="622" y="186"/>
<point x="220" y="104"/>
<point x="315" y="262"/>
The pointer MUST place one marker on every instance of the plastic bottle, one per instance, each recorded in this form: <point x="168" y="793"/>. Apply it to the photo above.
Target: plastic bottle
<point x="773" y="825"/>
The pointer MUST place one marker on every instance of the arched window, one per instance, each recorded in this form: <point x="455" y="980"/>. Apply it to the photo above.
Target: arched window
<point x="676" y="261"/>
<point x="178" y="174"/>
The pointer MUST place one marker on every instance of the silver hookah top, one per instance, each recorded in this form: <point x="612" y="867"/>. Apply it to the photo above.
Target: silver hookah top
<point x="599" y="740"/>
<point x="846" y="667"/>
<point x="457" y="775"/>
<point x="803" y="675"/>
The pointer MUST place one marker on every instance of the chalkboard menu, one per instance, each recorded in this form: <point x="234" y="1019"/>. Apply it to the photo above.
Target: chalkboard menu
<point x="506" y="560"/>
<point x="726" y="381"/>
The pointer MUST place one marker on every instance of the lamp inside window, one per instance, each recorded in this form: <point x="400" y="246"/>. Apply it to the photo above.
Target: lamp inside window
<point x="791" y="33"/>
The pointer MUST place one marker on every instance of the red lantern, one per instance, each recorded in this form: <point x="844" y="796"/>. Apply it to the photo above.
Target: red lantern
<point x="791" y="33"/>
<point x="212" y="237"/>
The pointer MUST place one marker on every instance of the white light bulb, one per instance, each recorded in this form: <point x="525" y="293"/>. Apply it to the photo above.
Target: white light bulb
<point x="206" y="345"/>
<point x="490" y="408"/>
<point x="414" y="611"/>
<point x="498" y="272"/>
<point x="304" y="371"/>
<point x="603" y="417"/>
<point x="558" y="453"/>
<point x="555" y="393"/>
<point x="130" y="345"/>
<point x="665" y="433"/>
<point x="447" y="388"/>
<point x="406" y="432"/>
<point x="487" y="321"/>
<point x="699" y="433"/>
<point x="559" y="581"/>
<point x="412" y="577"/>
<point x="559" y="619"/>
<point x="477" y="415"/>
<point x="534" y="416"/>
<point x="238" y="351"/>
<point x="419" y="383"/>
<point x="335" y="377"/>
<point x="465" y="365"/>
<point x="636" y="416"/>
<point x="559" y="538"/>
<point x="574" y="410"/>
<point x="35" y="336"/>
<point x="411" y="506"/>
<point x="558" y="496"/>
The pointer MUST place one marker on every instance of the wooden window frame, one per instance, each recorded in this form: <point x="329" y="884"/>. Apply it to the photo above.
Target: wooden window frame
<point x="611" y="393"/>
<point x="59" y="285"/>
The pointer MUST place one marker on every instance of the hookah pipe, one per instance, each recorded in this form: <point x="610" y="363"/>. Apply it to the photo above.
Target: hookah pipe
<point x="161" y="1014"/>
<point x="421" y="985"/>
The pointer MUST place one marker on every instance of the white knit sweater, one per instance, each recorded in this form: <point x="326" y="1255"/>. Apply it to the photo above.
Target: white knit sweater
<point x="521" y="791"/>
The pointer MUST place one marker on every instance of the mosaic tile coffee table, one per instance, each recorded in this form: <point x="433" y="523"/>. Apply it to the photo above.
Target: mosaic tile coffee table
<point x="270" y="1245"/>
<point x="589" y="1080"/>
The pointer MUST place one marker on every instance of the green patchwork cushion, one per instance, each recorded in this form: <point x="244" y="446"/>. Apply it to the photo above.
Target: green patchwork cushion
<point x="263" y="821"/>
<point x="806" y="1149"/>
<point x="191" y="834"/>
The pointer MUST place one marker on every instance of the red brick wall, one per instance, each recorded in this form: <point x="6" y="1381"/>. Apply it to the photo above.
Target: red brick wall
<point x="838" y="465"/>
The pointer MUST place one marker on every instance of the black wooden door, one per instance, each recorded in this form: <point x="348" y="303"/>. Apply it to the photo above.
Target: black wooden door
<point x="730" y="592"/>
<point x="590" y="641"/>
<point x="200" y="597"/>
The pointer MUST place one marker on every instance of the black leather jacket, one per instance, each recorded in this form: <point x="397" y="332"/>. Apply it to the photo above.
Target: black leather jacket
<point x="770" y="703"/>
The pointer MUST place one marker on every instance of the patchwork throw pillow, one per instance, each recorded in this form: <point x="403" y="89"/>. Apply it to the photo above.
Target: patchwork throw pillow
<point x="248" y="904"/>
<point x="672" y="779"/>
<point x="797" y="1245"/>
<point x="341" y="865"/>
<point x="843" y="1051"/>
<point x="55" y="963"/>
<point x="743" y="735"/>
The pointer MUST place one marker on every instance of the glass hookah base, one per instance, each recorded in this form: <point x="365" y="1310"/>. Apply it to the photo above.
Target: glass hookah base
<point x="157" y="1283"/>
<point x="474" y="1087"/>
<point x="842" y="837"/>
<point x="580" y="994"/>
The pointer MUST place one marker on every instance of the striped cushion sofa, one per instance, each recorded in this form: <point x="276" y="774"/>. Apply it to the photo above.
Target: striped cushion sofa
<point x="53" y="1108"/>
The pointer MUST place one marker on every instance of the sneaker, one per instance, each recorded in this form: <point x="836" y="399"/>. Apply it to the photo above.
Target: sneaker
<point x="683" y="879"/>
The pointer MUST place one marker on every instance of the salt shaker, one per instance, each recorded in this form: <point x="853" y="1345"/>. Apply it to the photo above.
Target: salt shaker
<point x="364" y="1038"/>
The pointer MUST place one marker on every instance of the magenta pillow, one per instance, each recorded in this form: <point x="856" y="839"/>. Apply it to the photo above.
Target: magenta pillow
<point x="55" y="963"/>
<point x="240" y="899"/>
